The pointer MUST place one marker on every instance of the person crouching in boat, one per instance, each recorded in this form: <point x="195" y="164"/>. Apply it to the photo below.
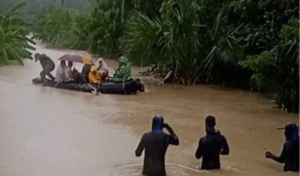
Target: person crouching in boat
<point x="71" y="74"/>
<point x="94" y="77"/>
<point x="123" y="73"/>
<point x="102" y="68"/>
<point x="77" y="77"/>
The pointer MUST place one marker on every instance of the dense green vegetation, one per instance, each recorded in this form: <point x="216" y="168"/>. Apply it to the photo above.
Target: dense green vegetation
<point x="251" y="44"/>
<point x="277" y="70"/>
<point x="61" y="27"/>
<point x="14" y="43"/>
<point x="33" y="7"/>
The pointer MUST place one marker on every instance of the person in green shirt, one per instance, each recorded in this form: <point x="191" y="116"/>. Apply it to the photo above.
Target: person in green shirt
<point x="123" y="73"/>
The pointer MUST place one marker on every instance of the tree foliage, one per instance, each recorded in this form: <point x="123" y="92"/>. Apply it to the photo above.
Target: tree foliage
<point x="277" y="70"/>
<point x="240" y="43"/>
<point x="14" y="41"/>
<point x="62" y="27"/>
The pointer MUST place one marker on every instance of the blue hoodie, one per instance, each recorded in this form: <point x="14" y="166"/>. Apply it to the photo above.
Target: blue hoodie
<point x="157" y="124"/>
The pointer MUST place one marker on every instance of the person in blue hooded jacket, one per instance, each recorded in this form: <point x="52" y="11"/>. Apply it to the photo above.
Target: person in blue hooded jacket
<point x="290" y="152"/>
<point x="155" y="144"/>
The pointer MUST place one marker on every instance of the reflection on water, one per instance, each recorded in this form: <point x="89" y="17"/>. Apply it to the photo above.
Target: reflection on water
<point x="53" y="132"/>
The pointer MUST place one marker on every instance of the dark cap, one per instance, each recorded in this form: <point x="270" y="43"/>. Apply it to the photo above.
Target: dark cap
<point x="287" y="127"/>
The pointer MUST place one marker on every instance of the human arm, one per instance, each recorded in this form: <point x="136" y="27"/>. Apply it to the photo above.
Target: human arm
<point x="140" y="148"/>
<point x="173" y="140"/>
<point x="225" y="147"/>
<point x="279" y="159"/>
<point x="93" y="78"/>
<point x="199" y="151"/>
<point x="120" y="72"/>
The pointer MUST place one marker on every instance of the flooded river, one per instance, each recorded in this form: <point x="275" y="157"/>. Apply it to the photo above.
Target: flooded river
<point x="52" y="132"/>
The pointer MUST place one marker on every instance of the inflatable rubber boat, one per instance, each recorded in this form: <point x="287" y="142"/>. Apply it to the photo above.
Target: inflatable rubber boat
<point x="128" y="87"/>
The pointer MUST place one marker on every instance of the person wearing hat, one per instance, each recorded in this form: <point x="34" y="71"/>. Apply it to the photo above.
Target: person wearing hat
<point x="290" y="152"/>
<point x="47" y="65"/>
<point x="155" y="144"/>
<point x="211" y="146"/>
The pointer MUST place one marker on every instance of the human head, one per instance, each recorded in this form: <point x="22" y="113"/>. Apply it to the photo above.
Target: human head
<point x="37" y="56"/>
<point x="123" y="60"/>
<point x="157" y="124"/>
<point x="210" y="122"/>
<point x="70" y="64"/>
<point x="291" y="132"/>
<point x="62" y="63"/>
<point x="100" y="61"/>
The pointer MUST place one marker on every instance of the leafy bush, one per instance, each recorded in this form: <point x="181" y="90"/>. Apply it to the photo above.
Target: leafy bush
<point x="277" y="71"/>
<point x="62" y="27"/>
<point x="177" y="36"/>
<point x="109" y="19"/>
<point x="14" y="41"/>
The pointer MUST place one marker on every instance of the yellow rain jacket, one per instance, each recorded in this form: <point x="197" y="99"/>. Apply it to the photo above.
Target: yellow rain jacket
<point x="94" y="76"/>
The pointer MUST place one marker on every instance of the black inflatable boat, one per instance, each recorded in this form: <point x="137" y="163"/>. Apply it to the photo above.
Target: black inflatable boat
<point x="128" y="87"/>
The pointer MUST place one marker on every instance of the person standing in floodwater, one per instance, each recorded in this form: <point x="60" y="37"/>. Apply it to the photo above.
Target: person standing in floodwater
<point x="290" y="152"/>
<point x="156" y="144"/>
<point x="47" y="65"/>
<point x="211" y="146"/>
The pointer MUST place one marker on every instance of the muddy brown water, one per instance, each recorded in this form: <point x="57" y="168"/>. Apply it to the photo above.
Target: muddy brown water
<point x="52" y="132"/>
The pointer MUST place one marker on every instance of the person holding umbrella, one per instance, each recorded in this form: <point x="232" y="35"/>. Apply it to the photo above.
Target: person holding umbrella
<point x="84" y="59"/>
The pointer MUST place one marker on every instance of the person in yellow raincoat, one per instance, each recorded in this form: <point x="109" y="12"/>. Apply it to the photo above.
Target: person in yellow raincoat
<point x="94" y="76"/>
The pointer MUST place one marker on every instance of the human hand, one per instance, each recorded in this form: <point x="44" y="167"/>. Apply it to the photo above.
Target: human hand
<point x="165" y="125"/>
<point x="268" y="154"/>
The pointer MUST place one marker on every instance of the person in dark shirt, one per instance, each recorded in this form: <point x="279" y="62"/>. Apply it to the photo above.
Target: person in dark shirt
<point x="155" y="144"/>
<point x="290" y="152"/>
<point x="47" y="65"/>
<point x="85" y="73"/>
<point x="211" y="146"/>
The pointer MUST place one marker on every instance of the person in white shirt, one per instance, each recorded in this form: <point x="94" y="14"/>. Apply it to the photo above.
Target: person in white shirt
<point x="60" y="73"/>
<point x="69" y="72"/>
<point x="102" y="68"/>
